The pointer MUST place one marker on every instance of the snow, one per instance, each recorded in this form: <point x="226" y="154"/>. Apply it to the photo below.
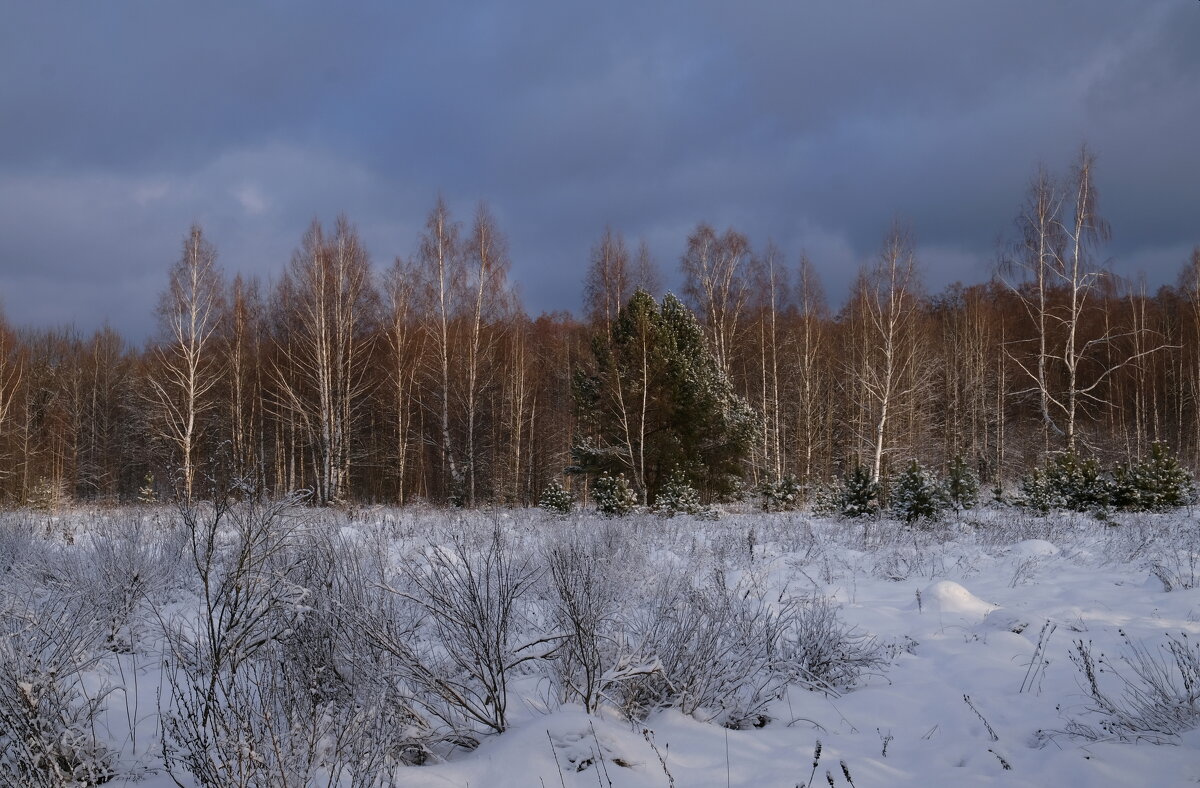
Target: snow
<point x="973" y="693"/>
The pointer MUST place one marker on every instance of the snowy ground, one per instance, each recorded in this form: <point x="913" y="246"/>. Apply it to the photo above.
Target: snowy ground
<point x="976" y="623"/>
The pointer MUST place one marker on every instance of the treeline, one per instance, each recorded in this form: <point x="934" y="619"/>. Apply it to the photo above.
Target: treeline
<point x="428" y="379"/>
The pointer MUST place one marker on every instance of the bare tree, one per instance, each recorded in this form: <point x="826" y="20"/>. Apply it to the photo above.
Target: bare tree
<point x="439" y="263"/>
<point x="807" y="343"/>
<point x="716" y="284"/>
<point x="1058" y="282"/>
<point x="887" y="300"/>
<point x="330" y="290"/>
<point x="486" y="285"/>
<point x="403" y="342"/>
<point x="186" y="368"/>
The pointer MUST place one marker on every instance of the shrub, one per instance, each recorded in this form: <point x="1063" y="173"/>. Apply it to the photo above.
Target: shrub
<point x="1157" y="702"/>
<point x="916" y="495"/>
<point x="1155" y="484"/>
<point x="48" y="713"/>
<point x="613" y="495"/>
<point x="555" y="498"/>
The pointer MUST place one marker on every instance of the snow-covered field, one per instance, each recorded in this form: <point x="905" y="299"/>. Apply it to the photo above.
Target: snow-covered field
<point x="343" y="648"/>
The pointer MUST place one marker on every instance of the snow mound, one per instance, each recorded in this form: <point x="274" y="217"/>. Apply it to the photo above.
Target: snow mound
<point x="1034" y="548"/>
<point x="1004" y="620"/>
<point x="947" y="596"/>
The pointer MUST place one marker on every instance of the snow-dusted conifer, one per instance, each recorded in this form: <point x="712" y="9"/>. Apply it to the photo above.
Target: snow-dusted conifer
<point x="859" y="494"/>
<point x="555" y="498"/>
<point x="678" y="497"/>
<point x="1157" y="483"/>
<point x="962" y="485"/>
<point x="613" y="495"/>
<point x="916" y="495"/>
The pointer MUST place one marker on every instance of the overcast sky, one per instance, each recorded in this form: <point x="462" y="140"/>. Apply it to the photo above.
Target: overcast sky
<point x="812" y="123"/>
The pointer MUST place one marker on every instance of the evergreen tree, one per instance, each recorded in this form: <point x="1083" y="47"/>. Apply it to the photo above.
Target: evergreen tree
<point x="962" y="485"/>
<point x="916" y="495"/>
<point x="678" y="497"/>
<point x="148" y="492"/>
<point x="555" y="498"/>
<point x="783" y="495"/>
<point x="858" y="495"/>
<point x="613" y="495"/>
<point x="655" y="402"/>
<point x="1155" y="484"/>
<point x="1067" y="482"/>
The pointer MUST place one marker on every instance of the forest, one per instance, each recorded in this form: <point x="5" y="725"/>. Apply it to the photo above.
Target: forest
<point x="427" y="380"/>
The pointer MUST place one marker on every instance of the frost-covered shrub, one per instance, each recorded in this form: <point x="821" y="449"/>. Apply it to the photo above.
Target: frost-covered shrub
<point x="821" y="651"/>
<point x="916" y="495"/>
<point x="782" y="495"/>
<point x="1155" y="695"/>
<point x="1155" y="484"/>
<point x="47" y="716"/>
<point x="678" y="497"/>
<point x="961" y="485"/>
<point x="709" y="652"/>
<point x="16" y="540"/>
<point x="1066" y="481"/>
<point x="592" y="656"/>
<point x="555" y="498"/>
<point x="613" y="495"/>
<point x="473" y="598"/>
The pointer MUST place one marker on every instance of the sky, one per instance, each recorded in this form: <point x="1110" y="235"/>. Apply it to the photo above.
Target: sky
<point x="813" y="124"/>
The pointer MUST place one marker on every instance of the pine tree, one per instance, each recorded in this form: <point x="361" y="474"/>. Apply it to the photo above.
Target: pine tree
<point x="783" y="495"/>
<point x="1067" y="482"/>
<point x="1155" y="484"/>
<point x="858" y="495"/>
<point x="678" y="497"/>
<point x="962" y="485"/>
<point x="555" y="498"/>
<point x="613" y="495"/>
<point x="655" y="402"/>
<point x="916" y="495"/>
<point x="148" y="493"/>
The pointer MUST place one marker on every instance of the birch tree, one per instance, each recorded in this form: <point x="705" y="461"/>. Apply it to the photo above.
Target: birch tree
<point x="887" y="301"/>
<point x="332" y="296"/>
<point x="717" y="287"/>
<point x="185" y="368"/>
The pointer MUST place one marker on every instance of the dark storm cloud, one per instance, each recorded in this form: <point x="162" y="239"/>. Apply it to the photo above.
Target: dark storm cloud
<point x="813" y="124"/>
